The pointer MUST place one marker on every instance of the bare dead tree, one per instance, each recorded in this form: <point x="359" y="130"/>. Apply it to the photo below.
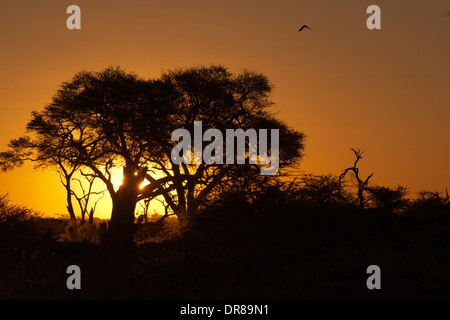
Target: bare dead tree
<point x="361" y="184"/>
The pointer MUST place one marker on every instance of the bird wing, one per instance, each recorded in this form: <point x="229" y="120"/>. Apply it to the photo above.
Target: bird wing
<point x="303" y="27"/>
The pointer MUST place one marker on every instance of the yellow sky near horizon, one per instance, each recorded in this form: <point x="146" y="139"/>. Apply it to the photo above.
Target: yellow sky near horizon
<point x="384" y="91"/>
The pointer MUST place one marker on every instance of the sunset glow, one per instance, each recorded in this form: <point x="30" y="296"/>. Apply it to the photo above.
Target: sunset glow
<point x="225" y="155"/>
<point x="384" y="91"/>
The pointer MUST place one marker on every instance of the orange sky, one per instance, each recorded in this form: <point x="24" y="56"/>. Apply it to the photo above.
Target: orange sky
<point x="385" y="91"/>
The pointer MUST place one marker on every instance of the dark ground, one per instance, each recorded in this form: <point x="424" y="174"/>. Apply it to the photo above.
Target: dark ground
<point x="283" y="253"/>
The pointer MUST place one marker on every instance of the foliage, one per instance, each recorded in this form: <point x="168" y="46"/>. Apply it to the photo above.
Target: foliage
<point x="17" y="223"/>
<point x="152" y="232"/>
<point x="76" y="231"/>
<point x="430" y="203"/>
<point x="386" y="199"/>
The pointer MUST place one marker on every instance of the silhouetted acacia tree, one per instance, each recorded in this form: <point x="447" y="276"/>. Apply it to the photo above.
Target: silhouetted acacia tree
<point x="114" y="119"/>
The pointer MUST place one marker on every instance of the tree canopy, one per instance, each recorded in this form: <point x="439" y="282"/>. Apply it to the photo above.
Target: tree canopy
<point x="116" y="119"/>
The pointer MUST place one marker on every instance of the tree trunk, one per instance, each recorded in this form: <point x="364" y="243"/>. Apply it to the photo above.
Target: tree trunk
<point x="121" y="226"/>
<point x="83" y="216"/>
<point x="69" y="199"/>
<point x="91" y="216"/>
<point x="122" y="218"/>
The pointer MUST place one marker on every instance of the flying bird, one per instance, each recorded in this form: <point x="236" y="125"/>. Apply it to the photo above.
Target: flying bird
<point x="303" y="27"/>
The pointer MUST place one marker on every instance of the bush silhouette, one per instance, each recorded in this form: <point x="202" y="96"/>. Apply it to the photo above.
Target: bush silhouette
<point x="18" y="224"/>
<point x="429" y="204"/>
<point x="388" y="200"/>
